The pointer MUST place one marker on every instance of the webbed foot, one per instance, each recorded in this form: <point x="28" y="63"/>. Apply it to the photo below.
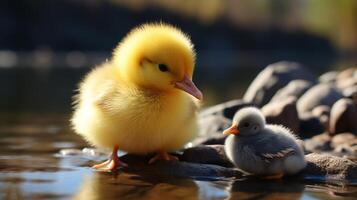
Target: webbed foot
<point x="162" y="155"/>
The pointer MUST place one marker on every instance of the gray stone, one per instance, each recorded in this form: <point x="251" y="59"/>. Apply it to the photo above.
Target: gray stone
<point x="283" y="112"/>
<point x="323" y="113"/>
<point x="274" y="77"/>
<point x="321" y="94"/>
<point x="345" y="144"/>
<point x="226" y="109"/>
<point x="346" y="83"/>
<point x="343" y="138"/>
<point x="321" y="110"/>
<point x="343" y="117"/>
<point x="346" y="74"/>
<point x="216" y="138"/>
<point x="295" y="88"/>
<point x="329" y="77"/>
<point x="139" y="164"/>
<point x="346" y="149"/>
<point x="215" y="119"/>
<point x="351" y="92"/>
<point x="318" y="143"/>
<point x="207" y="154"/>
<point x="332" y="167"/>
<point x="310" y="126"/>
<point x="347" y="78"/>
<point x="212" y="125"/>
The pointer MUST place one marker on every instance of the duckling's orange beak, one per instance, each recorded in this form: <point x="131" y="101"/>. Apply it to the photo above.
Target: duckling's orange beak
<point x="188" y="86"/>
<point x="232" y="130"/>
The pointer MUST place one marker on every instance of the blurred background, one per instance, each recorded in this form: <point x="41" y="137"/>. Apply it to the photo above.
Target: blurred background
<point x="46" y="46"/>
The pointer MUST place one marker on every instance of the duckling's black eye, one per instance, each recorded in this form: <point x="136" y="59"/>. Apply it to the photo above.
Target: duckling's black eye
<point x="163" y="68"/>
<point x="246" y="124"/>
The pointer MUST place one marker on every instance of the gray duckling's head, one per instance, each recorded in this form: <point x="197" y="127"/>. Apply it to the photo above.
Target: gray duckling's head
<point x="247" y="121"/>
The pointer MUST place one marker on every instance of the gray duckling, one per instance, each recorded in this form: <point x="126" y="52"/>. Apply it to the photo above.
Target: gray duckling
<point x="262" y="149"/>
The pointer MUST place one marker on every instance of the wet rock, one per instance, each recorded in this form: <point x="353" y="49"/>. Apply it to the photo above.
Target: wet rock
<point x="332" y="167"/>
<point x="212" y="121"/>
<point x="295" y="88"/>
<point x="351" y="92"/>
<point x="343" y="138"/>
<point x="138" y="164"/>
<point x="345" y="144"/>
<point x="347" y="78"/>
<point x="282" y="112"/>
<point x="217" y="138"/>
<point x="343" y="117"/>
<point x="227" y="109"/>
<point x="346" y="150"/>
<point x="323" y="113"/>
<point x="207" y="154"/>
<point x="346" y="83"/>
<point x="321" y="94"/>
<point x="346" y="74"/>
<point x="274" y="77"/>
<point x="328" y="77"/>
<point x="212" y="125"/>
<point x="318" y="143"/>
<point x="310" y="126"/>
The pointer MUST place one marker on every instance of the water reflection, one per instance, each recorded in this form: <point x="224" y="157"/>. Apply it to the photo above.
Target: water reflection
<point x="130" y="186"/>
<point x="266" y="189"/>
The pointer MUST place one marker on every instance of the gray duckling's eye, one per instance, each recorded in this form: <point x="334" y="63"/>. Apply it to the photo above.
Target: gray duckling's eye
<point x="246" y="124"/>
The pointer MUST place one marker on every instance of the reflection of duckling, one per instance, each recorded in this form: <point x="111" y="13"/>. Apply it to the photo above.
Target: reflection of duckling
<point x="264" y="189"/>
<point x="139" y="101"/>
<point x="260" y="149"/>
<point x="99" y="186"/>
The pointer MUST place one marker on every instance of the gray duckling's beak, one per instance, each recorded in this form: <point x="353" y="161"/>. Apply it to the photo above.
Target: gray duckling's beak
<point x="234" y="129"/>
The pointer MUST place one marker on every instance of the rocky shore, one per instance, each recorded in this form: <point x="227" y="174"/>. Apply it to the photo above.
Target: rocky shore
<point x="321" y="111"/>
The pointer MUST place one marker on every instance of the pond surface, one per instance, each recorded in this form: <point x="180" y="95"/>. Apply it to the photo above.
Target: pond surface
<point x="45" y="160"/>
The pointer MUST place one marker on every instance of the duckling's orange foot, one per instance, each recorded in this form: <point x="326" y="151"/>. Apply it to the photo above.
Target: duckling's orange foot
<point x="110" y="165"/>
<point x="163" y="155"/>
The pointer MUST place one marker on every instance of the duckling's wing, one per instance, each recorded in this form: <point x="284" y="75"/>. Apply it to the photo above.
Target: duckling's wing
<point x="99" y="88"/>
<point x="102" y="96"/>
<point x="268" y="157"/>
<point x="274" y="147"/>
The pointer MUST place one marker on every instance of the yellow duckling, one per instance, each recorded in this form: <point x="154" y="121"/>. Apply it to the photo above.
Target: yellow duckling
<point x="141" y="101"/>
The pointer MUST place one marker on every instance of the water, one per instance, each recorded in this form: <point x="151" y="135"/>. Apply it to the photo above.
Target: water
<point x="42" y="159"/>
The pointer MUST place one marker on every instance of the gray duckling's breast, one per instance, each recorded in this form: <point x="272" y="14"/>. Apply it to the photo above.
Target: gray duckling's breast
<point x="242" y="153"/>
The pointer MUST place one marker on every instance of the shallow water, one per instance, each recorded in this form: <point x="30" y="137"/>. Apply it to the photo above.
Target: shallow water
<point x="40" y="159"/>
